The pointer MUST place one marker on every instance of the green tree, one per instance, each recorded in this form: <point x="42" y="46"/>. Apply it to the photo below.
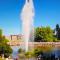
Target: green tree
<point x="38" y="36"/>
<point x="58" y="31"/>
<point x="44" y="34"/>
<point x="57" y="27"/>
<point x="4" y="47"/>
<point x="0" y="35"/>
<point x="0" y="32"/>
<point x="2" y="38"/>
<point x="58" y="34"/>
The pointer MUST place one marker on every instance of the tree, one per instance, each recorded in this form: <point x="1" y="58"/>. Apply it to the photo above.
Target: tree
<point x="38" y="36"/>
<point x="57" y="27"/>
<point x="2" y="38"/>
<point x="0" y="32"/>
<point x="4" y="47"/>
<point x="58" y="31"/>
<point x="58" y="34"/>
<point x="44" y="34"/>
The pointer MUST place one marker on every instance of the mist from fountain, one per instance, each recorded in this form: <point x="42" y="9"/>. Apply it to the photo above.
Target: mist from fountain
<point x="27" y="17"/>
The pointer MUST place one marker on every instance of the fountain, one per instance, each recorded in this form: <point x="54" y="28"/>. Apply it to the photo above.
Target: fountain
<point x="27" y="17"/>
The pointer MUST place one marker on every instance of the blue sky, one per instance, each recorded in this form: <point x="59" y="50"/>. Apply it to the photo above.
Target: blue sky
<point x="47" y="12"/>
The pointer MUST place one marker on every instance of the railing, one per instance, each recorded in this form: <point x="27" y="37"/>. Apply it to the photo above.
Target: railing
<point x="35" y="43"/>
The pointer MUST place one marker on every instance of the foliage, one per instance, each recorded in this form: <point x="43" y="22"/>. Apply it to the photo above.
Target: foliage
<point x="37" y="52"/>
<point x="4" y="47"/>
<point x="2" y="38"/>
<point x="57" y="27"/>
<point x="44" y="34"/>
<point x="21" y="53"/>
<point x="58" y="32"/>
<point x="28" y="54"/>
<point x="21" y="50"/>
<point x="42" y="49"/>
<point x="0" y="32"/>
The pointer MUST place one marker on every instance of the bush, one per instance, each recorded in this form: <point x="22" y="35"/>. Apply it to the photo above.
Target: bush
<point x="21" y="50"/>
<point x="28" y="54"/>
<point x="5" y="49"/>
<point x="44" y="34"/>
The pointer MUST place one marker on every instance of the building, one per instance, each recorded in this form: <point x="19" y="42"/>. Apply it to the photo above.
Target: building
<point x="14" y="37"/>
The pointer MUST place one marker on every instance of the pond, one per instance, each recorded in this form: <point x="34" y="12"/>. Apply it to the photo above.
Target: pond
<point x="56" y="51"/>
<point x="15" y="51"/>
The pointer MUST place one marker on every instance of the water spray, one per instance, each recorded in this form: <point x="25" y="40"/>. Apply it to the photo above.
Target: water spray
<point x="27" y="17"/>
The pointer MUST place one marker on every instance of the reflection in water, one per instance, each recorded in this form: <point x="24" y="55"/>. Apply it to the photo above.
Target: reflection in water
<point x="55" y="52"/>
<point x="15" y="51"/>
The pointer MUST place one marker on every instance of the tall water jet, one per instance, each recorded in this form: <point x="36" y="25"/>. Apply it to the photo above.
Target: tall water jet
<point x="27" y="17"/>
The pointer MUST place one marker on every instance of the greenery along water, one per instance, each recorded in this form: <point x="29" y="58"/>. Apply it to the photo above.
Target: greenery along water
<point x="5" y="49"/>
<point x="47" y="34"/>
<point x="55" y="51"/>
<point x="41" y="34"/>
